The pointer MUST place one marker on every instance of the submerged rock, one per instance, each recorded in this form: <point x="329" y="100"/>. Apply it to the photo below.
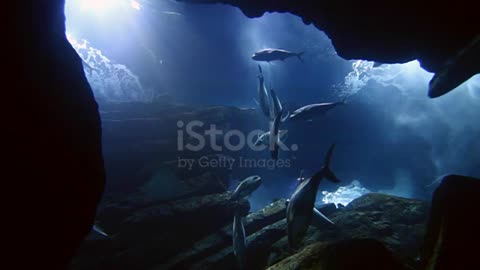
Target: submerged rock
<point x="343" y="255"/>
<point x="196" y="233"/>
<point x="398" y="223"/>
<point x="453" y="227"/>
<point x="216" y="247"/>
<point x="147" y="235"/>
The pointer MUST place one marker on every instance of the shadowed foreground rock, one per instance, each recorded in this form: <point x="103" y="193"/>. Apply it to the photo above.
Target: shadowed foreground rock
<point x="453" y="227"/>
<point x="51" y="139"/>
<point x="396" y="222"/>
<point x="154" y="232"/>
<point x="221" y="241"/>
<point x="345" y="255"/>
<point x="178" y="235"/>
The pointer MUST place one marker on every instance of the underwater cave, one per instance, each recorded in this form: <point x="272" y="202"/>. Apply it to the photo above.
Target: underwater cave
<point x="229" y="134"/>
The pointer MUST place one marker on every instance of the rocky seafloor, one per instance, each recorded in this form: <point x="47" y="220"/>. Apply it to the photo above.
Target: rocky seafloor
<point x="195" y="233"/>
<point x="164" y="217"/>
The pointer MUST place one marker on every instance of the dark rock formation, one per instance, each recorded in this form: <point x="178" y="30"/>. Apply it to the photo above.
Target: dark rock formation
<point x="140" y="230"/>
<point x="380" y="31"/>
<point x="153" y="233"/>
<point x="453" y="227"/>
<point x="396" y="222"/>
<point x="343" y="255"/>
<point x="215" y="251"/>
<point x="52" y="138"/>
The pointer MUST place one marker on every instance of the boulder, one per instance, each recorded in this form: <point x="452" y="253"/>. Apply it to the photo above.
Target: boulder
<point x="221" y="240"/>
<point x="343" y="255"/>
<point x="452" y="230"/>
<point x="146" y="236"/>
<point x="398" y="223"/>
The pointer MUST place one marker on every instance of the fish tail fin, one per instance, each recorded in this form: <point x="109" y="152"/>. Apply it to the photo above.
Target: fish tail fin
<point x="326" y="171"/>
<point x="299" y="55"/>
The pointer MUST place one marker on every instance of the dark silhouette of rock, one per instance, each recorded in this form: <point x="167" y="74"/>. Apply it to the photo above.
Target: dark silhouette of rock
<point x="343" y="255"/>
<point x="52" y="143"/>
<point x="452" y="231"/>
<point x="398" y="223"/>
<point x="215" y="250"/>
<point x="149" y="233"/>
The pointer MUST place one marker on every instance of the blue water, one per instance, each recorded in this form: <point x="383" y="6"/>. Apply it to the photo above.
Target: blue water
<point x="390" y="136"/>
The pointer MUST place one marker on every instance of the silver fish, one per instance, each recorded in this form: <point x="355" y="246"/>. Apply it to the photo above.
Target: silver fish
<point x="269" y="55"/>
<point x="313" y="110"/>
<point x="246" y="187"/>
<point x="239" y="240"/>
<point x="263" y="98"/>
<point x="300" y="208"/>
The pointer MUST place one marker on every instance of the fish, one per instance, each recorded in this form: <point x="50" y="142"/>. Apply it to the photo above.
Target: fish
<point x="302" y="201"/>
<point x="269" y="55"/>
<point x="239" y="241"/>
<point x="246" y="187"/>
<point x="264" y="139"/>
<point x="263" y="97"/>
<point x="172" y="13"/>
<point x="314" y="110"/>
<point x="276" y="107"/>
<point x="274" y="137"/>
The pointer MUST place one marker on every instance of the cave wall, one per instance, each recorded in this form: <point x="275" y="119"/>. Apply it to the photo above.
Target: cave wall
<point x="383" y="31"/>
<point x="53" y="147"/>
<point x="54" y="171"/>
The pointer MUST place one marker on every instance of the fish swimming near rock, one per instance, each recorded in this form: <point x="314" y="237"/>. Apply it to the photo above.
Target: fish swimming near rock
<point x="239" y="240"/>
<point x="299" y="210"/>
<point x="274" y="136"/>
<point x="246" y="187"/>
<point x="264" y="139"/>
<point x="314" y="110"/>
<point x="269" y="55"/>
<point x="276" y="107"/>
<point x="263" y="97"/>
